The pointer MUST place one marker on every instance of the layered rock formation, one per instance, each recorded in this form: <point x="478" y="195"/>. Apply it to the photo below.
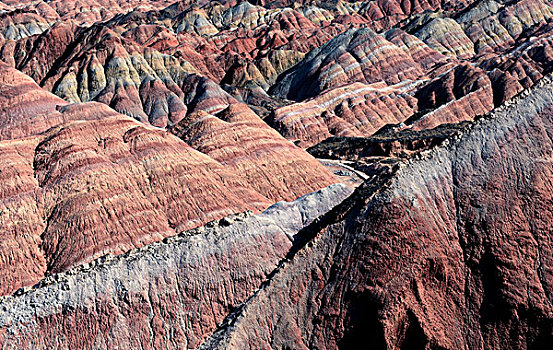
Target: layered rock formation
<point x="170" y="294"/>
<point x="354" y="110"/>
<point x="138" y="62"/>
<point x="29" y="20"/>
<point x="348" y="57"/>
<point x="90" y="11"/>
<point x="432" y="48"/>
<point x="96" y="182"/>
<point x="460" y="288"/>
<point x="238" y="139"/>
<point x="452" y="251"/>
<point x="132" y="132"/>
<point x="457" y="95"/>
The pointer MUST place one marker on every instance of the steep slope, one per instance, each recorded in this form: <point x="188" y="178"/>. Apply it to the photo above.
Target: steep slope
<point x="457" y="95"/>
<point x="353" y="110"/>
<point x="139" y="63"/>
<point x="89" y="11"/>
<point x="240" y="140"/>
<point x="97" y="182"/>
<point x="152" y="123"/>
<point x="100" y="65"/>
<point x="356" y="55"/>
<point x="26" y="21"/>
<point x="450" y="252"/>
<point x="142" y="71"/>
<point x="380" y="14"/>
<point x="465" y="63"/>
<point x="165" y="295"/>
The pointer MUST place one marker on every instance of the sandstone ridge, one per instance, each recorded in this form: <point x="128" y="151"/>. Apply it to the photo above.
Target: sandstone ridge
<point x="170" y="278"/>
<point x="446" y="210"/>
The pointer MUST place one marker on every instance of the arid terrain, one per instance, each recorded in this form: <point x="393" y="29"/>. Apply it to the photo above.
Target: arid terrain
<point x="316" y="174"/>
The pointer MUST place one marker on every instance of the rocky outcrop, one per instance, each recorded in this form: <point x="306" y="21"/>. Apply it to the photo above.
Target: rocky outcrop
<point x="25" y="108"/>
<point x="140" y="70"/>
<point x="97" y="182"/>
<point x="138" y="63"/>
<point x="452" y="251"/>
<point x="436" y="49"/>
<point x="168" y="294"/>
<point x="238" y="139"/>
<point x="391" y="144"/>
<point x="29" y="20"/>
<point x="354" y="56"/>
<point x="414" y="47"/>
<point x="447" y="37"/>
<point x="91" y="11"/>
<point x="151" y="123"/>
<point x="458" y="92"/>
<point x="495" y="25"/>
<point x="354" y="110"/>
<point x="98" y="65"/>
<point x="97" y="187"/>
<point x="37" y="55"/>
<point x="379" y="14"/>
<point x="522" y="66"/>
<point x="134" y="81"/>
<point x="457" y="95"/>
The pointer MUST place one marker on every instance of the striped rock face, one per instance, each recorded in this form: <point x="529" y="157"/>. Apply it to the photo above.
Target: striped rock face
<point x="188" y="283"/>
<point x="354" y="110"/>
<point x="450" y="251"/>
<point x="357" y="55"/>
<point x="140" y="62"/>
<point x="457" y="67"/>
<point x="160" y="187"/>
<point x="89" y="12"/>
<point x="83" y="181"/>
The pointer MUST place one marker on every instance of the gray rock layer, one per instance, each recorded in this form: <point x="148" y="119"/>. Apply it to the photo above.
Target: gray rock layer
<point x="170" y="294"/>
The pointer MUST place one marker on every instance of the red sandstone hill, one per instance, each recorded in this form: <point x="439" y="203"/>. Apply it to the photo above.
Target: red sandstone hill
<point x="451" y="250"/>
<point x="448" y="250"/>
<point x="81" y="180"/>
<point x="155" y="192"/>
<point x="138" y="62"/>
<point x="456" y="67"/>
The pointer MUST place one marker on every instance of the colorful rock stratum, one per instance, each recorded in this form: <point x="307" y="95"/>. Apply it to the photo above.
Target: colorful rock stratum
<point x="231" y="174"/>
